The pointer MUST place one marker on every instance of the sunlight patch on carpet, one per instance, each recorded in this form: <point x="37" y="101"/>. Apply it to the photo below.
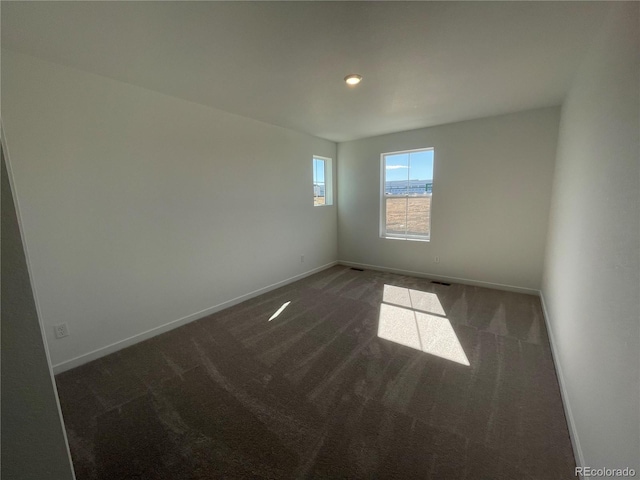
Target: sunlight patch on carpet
<point x="280" y="310"/>
<point x="422" y="331"/>
<point x="415" y="299"/>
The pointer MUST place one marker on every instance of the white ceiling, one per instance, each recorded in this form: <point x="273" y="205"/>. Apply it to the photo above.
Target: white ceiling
<point x="424" y="63"/>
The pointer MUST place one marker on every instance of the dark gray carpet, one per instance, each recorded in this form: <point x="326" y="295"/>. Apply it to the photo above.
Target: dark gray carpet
<point x="316" y="393"/>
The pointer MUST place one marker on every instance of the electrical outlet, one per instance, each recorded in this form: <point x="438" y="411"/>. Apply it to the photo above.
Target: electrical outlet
<point x="61" y="330"/>
<point x="301" y="258"/>
<point x="436" y="259"/>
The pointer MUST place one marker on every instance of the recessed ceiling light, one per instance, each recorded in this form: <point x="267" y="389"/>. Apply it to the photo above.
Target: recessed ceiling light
<point x="353" y="79"/>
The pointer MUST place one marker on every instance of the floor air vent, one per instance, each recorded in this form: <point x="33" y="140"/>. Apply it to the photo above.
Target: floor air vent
<point x="441" y="283"/>
<point x="357" y="269"/>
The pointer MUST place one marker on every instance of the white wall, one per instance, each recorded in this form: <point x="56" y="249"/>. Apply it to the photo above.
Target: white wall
<point x="34" y="444"/>
<point x="492" y="183"/>
<point x="591" y="283"/>
<point x="140" y="209"/>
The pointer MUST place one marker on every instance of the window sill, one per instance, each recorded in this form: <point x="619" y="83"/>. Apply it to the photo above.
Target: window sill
<point x="411" y="239"/>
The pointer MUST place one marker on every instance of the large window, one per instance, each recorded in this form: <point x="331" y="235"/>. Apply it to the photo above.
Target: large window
<point x="322" y="181"/>
<point x="407" y="185"/>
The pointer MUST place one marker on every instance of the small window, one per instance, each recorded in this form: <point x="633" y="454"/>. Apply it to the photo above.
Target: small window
<point x="322" y="181"/>
<point x="407" y="186"/>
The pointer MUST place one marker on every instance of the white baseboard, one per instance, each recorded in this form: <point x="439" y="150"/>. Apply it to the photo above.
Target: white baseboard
<point x="127" y="342"/>
<point x="573" y="433"/>
<point x="464" y="281"/>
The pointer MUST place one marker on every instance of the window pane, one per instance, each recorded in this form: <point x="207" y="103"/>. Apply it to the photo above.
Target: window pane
<point x="318" y="182"/>
<point x="420" y="172"/>
<point x="406" y="195"/>
<point x="318" y="170"/>
<point x="396" y="174"/>
<point x="419" y="215"/>
<point x="319" y="194"/>
<point x="396" y="215"/>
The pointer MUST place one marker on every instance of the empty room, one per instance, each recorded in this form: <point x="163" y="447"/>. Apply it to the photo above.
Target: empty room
<point x="311" y="240"/>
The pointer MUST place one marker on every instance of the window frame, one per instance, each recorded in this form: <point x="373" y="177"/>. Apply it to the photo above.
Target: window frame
<point x="328" y="180"/>
<point x="383" y="198"/>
